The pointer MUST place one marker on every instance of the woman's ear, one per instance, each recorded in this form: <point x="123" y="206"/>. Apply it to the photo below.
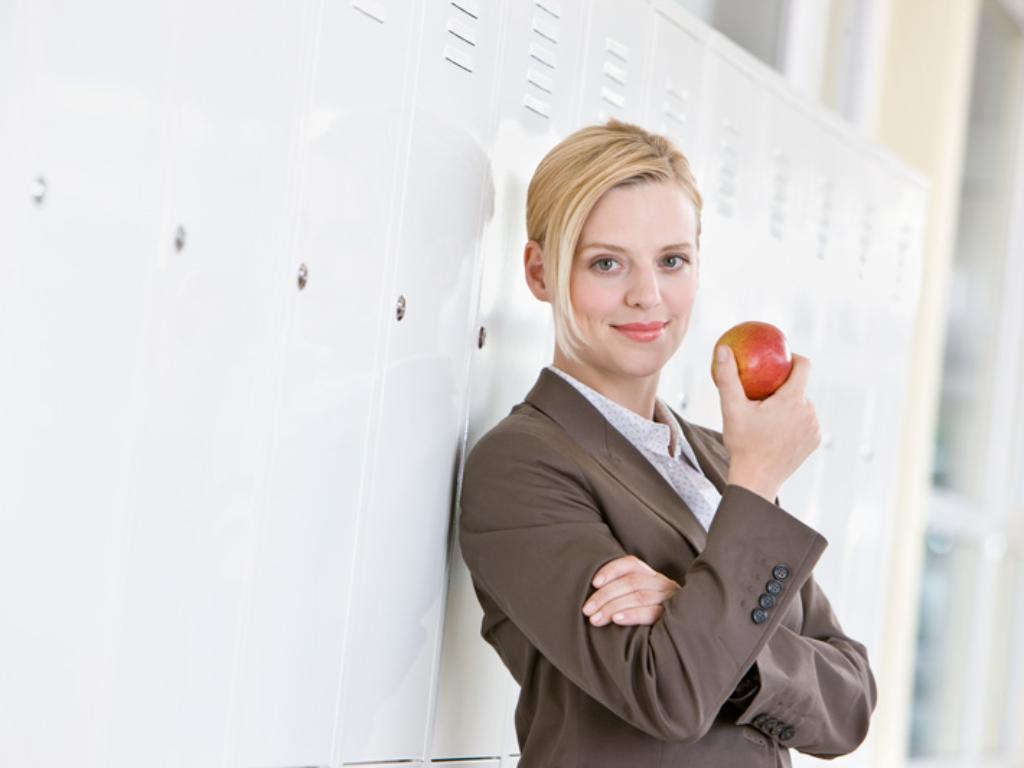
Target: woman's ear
<point x="534" y="267"/>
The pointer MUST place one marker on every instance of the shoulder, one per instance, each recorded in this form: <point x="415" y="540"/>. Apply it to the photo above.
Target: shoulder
<point x="526" y="470"/>
<point x="525" y="437"/>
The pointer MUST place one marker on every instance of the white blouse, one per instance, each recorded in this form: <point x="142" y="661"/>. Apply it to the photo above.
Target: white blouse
<point x="663" y="443"/>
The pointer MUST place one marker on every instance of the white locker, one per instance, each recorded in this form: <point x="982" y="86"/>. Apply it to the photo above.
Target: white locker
<point x="349" y="147"/>
<point x="392" y="644"/>
<point x="82" y="151"/>
<point x="841" y="391"/>
<point x="542" y="47"/>
<point x="204" y="382"/>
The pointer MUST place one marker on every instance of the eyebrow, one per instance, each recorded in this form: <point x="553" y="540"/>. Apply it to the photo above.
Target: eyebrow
<point x="620" y="249"/>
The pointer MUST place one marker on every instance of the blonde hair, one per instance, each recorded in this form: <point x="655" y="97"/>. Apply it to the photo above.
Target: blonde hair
<point x="570" y="180"/>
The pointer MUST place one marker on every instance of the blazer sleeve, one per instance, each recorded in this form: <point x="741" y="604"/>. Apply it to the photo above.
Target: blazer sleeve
<point x="817" y="682"/>
<point x="532" y="536"/>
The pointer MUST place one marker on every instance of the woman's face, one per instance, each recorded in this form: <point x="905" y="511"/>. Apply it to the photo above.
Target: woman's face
<point x="636" y="262"/>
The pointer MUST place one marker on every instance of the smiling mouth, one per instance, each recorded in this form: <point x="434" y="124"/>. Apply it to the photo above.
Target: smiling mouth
<point x="642" y="333"/>
<point x="642" y="327"/>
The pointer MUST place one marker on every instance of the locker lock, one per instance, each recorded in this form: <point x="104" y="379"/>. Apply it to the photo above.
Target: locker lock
<point x="39" y="190"/>
<point x="303" y="274"/>
<point x="400" y="309"/>
<point x="179" y="238"/>
<point x="481" y="338"/>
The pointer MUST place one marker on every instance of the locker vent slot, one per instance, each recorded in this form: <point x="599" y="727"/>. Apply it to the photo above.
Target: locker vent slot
<point x="372" y="8"/>
<point x="615" y="72"/>
<point x="675" y="104"/>
<point x="462" y="34"/>
<point x="540" y="85"/>
<point x="469" y="7"/>
<point x="780" y="202"/>
<point x="552" y="7"/>
<point x="728" y="168"/>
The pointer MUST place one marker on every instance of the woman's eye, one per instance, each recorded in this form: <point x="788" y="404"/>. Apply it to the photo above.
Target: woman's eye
<point x="610" y="261"/>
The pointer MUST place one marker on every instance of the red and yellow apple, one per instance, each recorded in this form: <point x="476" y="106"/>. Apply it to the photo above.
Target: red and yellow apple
<point x="762" y="357"/>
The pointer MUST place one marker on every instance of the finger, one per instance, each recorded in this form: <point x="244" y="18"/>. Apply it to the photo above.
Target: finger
<point x="618" y="567"/>
<point x="649" y="591"/>
<point x="638" y="599"/>
<point x="611" y="591"/>
<point x="725" y="374"/>
<point x="797" y="381"/>
<point x="645" y="615"/>
<point x="623" y="610"/>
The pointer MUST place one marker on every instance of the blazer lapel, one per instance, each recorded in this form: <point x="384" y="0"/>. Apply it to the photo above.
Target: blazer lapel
<point x="573" y="412"/>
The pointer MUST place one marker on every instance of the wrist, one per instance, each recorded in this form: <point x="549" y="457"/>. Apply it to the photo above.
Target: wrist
<point x="754" y="482"/>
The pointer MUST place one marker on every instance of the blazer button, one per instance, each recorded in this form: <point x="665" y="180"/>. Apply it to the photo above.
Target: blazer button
<point x="758" y="721"/>
<point x="774" y="587"/>
<point x="781" y="572"/>
<point x="769" y="726"/>
<point x="778" y="728"/>
<point x="760" y="616"/>
<point x="766" y="601"/>
<point x="787" y="733"/>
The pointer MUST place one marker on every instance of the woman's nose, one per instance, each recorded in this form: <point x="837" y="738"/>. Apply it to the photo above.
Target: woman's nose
<point x="644" y="290"/>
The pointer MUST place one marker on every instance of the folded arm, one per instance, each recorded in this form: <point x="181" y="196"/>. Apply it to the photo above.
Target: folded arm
<point x="533" y="537"/>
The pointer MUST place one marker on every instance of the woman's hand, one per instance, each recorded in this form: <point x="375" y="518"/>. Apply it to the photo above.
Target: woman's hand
<point x="631" y="592"/>
<point x="769" y="439"/>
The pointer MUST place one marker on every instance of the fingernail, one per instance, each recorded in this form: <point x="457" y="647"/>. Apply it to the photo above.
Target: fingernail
<point x="723" y="354"/>
<point x="618" y="617"/>
<point x="596" y="617"/>
<point x="599" y="581"/>
<point x="588" y="607"/>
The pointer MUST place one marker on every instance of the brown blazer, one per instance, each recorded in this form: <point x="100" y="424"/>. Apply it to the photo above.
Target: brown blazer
<point x="553" y="492"/>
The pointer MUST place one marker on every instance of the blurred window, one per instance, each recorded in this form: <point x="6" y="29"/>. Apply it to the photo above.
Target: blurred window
<point x="968" y="671"/>
<point x="972" y="363"/>
<point x="942" y="661"/>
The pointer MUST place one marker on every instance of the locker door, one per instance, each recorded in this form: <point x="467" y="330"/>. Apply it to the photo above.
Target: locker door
<point x="867" y="537"/>
<point x="842" y="392"/>
<point x="205" y="379"/>
<point x="824" y="240"/>
<point x="789" y="275"/>
<point x="418" y="423"/>
<point x="542" y="43"/>
<point x="82" y="150"/>
<point x="349" y="149"/>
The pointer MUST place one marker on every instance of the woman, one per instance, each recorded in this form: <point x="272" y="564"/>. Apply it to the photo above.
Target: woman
<point x="638" y="577"/>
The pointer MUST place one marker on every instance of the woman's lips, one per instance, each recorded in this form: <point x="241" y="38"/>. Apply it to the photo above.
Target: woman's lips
<point x="642" y="331"/>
